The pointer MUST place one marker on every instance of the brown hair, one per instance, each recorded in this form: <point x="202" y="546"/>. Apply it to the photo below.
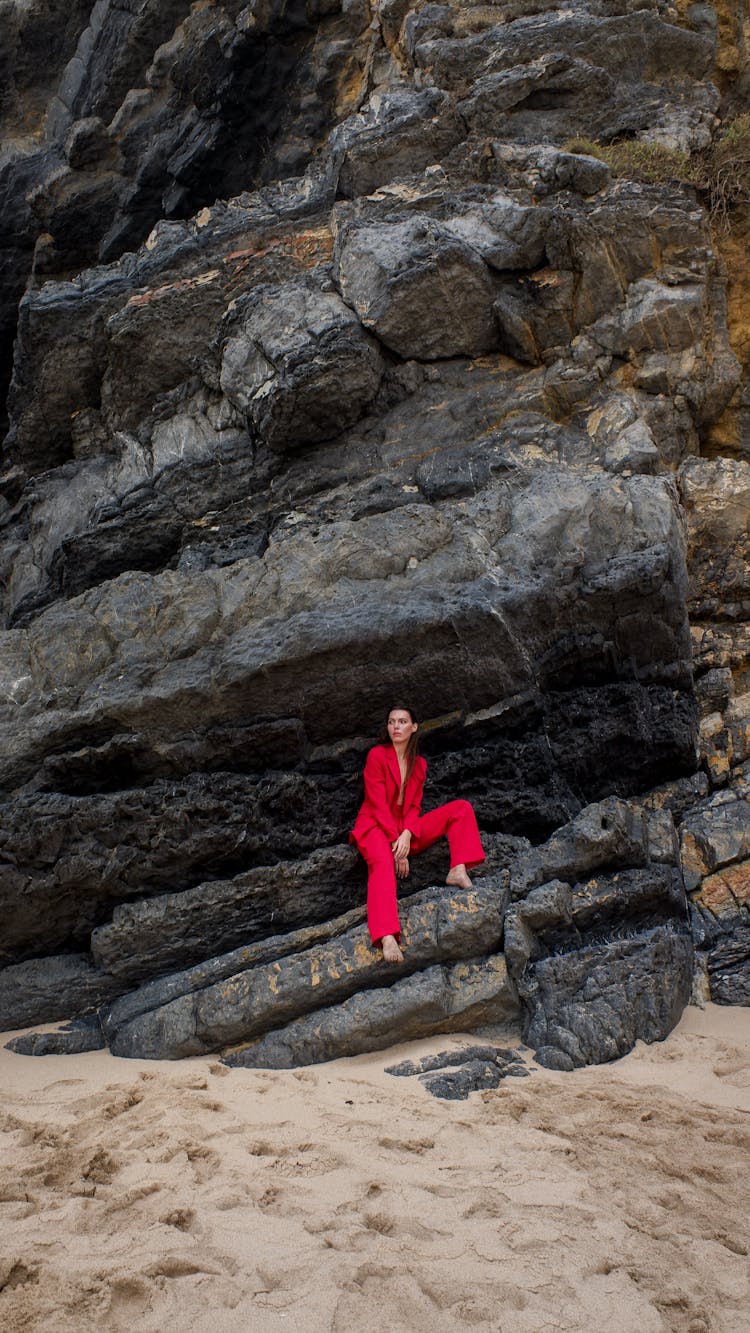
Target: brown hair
<point x="412" y="748"/>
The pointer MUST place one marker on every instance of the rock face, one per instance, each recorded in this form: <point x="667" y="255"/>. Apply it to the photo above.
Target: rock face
<point x="605" y="959"/>
<point x="337" y="376"/>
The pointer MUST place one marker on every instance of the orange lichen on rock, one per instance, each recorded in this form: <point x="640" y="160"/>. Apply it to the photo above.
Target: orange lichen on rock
<point x="727" y="889"/>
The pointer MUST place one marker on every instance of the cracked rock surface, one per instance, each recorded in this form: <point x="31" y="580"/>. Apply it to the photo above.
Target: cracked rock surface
<point x="333" y="373"/>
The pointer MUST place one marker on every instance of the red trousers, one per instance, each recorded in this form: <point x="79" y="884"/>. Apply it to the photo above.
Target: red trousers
<point x="456" y="819"/>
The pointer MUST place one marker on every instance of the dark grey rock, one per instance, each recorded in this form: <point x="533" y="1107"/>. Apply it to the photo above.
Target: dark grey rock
<point x="131" y="933"/>
<point x="728" y="961"/>
<point x="45" y="989"/>
<point x="395" y="134"/>
<point x="594" y="1004"/>
<point x="550" y="1057"/>
<point x="550" y="905"/>
<point x="732" y="985"/>
<point x="507" y="232"/>
<point x="155" y="994"/>
<point x="440" y="999"/>
<point x="434" y="925"/>
<point x="424" y="292"/>
<point x="76" y="1038"/>
<point x="607" y="833"/>
<point x="627" y="895"/>
<point x="715" y="832"/>
<point x="606" y="961"/>
<point x="473" y="1076"/>
<point x="454" y="1075"/>
<point x="153" y="936"/>
<point x="300" y="366"/>
<point x="234" y="525"/>
<point x="631" y="47"/>
<point x="677" y="797"/>
<point x="157" y="935"/>
<point x="67" y="861"/>
<point x="86" y="141"/>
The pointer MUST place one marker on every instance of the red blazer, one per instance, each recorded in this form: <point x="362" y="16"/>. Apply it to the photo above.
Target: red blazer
<point x="380" y="808"/>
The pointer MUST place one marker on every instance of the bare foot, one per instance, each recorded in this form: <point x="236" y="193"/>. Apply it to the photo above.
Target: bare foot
<point x="391" y="951"/>
<point x="458" y="878"/>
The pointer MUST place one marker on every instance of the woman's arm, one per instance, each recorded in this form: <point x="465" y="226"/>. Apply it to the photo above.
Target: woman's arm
<point x="376" y="794"/>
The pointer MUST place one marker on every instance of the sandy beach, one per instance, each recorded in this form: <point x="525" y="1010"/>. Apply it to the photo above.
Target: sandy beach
<point x="144" y="1196"/>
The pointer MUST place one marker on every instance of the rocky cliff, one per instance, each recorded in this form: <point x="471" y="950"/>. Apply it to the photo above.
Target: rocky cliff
<point x="336" y="371"/>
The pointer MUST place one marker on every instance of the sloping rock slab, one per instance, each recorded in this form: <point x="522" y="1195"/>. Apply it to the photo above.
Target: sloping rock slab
<point x="177" y="929"/>
<point x="440" y="999"/>
<point x="42" y="990"/>
<point x="435" y="925"/>
<point x="154" y="936"/>
<point x="156" y="993"/>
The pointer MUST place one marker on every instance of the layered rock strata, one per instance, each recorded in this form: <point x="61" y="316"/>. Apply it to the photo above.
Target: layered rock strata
<point x="383" y="393"/>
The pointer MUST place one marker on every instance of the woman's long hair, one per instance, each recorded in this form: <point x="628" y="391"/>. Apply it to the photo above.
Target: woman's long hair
<point x="412" y="748"/>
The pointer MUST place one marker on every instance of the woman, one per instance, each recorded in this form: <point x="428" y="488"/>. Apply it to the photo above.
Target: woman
<point x="390" y="827"/>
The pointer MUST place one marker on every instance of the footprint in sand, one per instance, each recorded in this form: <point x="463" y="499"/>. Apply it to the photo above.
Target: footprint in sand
<point x="263" y="1148"/>
<point x="734" y="1070"/>
<point x="191" y="1082"/>
<point x="736" y="1244"/>
<point x="124" y="1100"/>
<point x="130" y="1299"/>
<point x="183" y="1219"/>
<point x="386" y="1224"/>
<point x="63" y="1083"/>
<point x="407" y="1145"/>
<point x="488" y="1203"/>
<point x="101" y="1168"/>
<point x="272" y="1199"/>
<point x="226" y="1203"/>
<point x="16" y="1273"/>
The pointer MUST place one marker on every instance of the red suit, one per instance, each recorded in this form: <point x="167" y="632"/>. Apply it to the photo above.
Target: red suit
<point x="380" y="821"/>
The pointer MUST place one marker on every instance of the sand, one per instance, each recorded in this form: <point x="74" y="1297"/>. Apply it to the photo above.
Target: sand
<point x="149" y="1196"/>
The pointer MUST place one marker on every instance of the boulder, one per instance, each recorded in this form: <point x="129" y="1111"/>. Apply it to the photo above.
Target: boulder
<point x="601" y="962"/>
<point x="300" y="365"/>
<point x="422" y="290"/>
<point x="608" y="833"/>
<point x="593" y="1005"/>
<point x="454" y="1075"/>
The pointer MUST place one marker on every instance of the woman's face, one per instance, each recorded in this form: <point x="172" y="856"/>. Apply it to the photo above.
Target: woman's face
<point x="400" y="725"/>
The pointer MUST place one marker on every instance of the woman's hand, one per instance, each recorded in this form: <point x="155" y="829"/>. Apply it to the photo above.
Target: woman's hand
<point x="401" y="846"/>
<point x="402" y="866"/>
